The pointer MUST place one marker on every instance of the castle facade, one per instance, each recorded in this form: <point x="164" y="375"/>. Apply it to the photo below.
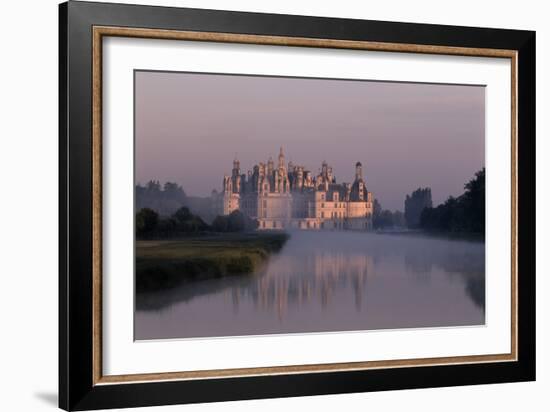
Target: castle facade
<point x="291" y="197"/>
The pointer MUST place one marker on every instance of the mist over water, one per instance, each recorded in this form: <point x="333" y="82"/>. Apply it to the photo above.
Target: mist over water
<point x="329" y="281"/>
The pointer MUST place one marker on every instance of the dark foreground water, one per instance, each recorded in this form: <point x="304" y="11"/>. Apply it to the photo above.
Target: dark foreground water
<point x="329" y="281"/>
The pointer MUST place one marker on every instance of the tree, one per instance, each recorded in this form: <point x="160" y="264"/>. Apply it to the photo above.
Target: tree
<point x="376" y="208"/>
<point x="182" y="215"/>
<point x="465" y="213"/>
<point x="167" y="227"/>
<point x="376" y="211"/>
<point x="174" y="192"/>
<point x="382" y="219"/>
<point x="220" y="224"/>
<point x="165" y="199"/>
<point x="399" y="219"/>
<point x="236" y="221"/>
<point x="146" y="221"/>
<point x="153" y="186"/>
<point x="385" y="220"/>
<point x="415" y="204"/>
<point x="187" y="222"/>
<point x="474" y="202"/>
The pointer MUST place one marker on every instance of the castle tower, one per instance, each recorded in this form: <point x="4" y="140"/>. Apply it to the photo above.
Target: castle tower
<point x="308" y="179"/>
<point x="347" y="195"/>
<point x="276" y="183"/>
<point x="324" y="169"/>
<point x="300" y="178"/>
<point x="358" y="171"/>
<point x="236" y="175"/>
<point x="281" y="159"/>
<point x="227" y="184"/>
<point x="330" y="176"/>
<point x="236" y="167"/>
<point x="256" y="178"/>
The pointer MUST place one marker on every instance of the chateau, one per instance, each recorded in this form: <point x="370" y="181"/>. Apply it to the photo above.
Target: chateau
<point x="291" y="197"/>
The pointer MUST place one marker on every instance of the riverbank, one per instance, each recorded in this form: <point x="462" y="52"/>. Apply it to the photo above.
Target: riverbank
<point x="474" y="237"/>
<point x="162" y="264"/>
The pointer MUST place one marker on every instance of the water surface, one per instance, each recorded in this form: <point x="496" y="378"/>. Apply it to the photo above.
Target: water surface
<point x="329" y="281"/>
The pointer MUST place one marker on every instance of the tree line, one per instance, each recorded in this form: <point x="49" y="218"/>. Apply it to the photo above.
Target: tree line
<point x="462" y="214"/>
<point x="149" y="224"/>
<point x="465" y="213"/>
<point x="386" y="219"/>
<point x="165" y="199"/>
<point x="415" y="203"/>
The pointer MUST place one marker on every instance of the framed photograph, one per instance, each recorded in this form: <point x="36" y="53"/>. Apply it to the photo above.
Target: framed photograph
<point x="256" y="205"/>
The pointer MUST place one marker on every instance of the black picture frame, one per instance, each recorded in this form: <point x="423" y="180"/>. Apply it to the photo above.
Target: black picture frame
<point x="77" y="390"/>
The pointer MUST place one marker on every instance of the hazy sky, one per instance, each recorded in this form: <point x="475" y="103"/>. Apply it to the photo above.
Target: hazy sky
<point x="189" y="127"/>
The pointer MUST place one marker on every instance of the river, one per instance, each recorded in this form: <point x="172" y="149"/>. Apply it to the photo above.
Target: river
<point x="329" y="281"/>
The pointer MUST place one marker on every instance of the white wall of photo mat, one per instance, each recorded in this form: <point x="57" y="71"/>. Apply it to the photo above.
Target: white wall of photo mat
<point x="28" y="163"/>
<point x="123" y="355"/>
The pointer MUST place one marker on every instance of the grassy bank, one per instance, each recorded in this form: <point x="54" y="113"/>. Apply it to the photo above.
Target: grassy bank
<point x="162" y="264"/>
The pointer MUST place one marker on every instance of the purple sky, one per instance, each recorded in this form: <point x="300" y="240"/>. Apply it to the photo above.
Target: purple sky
<point x="189" y="127"/>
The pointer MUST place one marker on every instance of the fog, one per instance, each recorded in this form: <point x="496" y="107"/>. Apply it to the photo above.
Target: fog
<point x="330" y="281"/>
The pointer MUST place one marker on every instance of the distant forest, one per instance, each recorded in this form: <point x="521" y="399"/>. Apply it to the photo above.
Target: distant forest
<point x="463" y="214"/>
<point x="415" y="203"/>
<point x="150" y="225"/>
<point x="168" y="198"/>
<point x="386" y="219"/>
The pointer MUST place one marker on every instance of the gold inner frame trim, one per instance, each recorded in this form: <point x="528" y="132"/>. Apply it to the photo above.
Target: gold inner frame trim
<point x="101" y="31"/>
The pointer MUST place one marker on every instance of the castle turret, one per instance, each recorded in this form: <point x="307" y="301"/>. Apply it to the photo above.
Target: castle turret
<point x="281" y="159"/>
<point x="324" y="169"/>
<point x="358" y="171"/>
<point x="236" y="175"/>
<point x="227" y="184"/>
<point x="300" y="178"/>
<point x="236" y="167"/>
<point x="330" y="176"/>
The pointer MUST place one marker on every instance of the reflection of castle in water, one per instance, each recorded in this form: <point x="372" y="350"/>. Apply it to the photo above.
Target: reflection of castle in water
<point x="327" y="272"/>
<point x="319" y="276"/>
<point x="291" y="197"/>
